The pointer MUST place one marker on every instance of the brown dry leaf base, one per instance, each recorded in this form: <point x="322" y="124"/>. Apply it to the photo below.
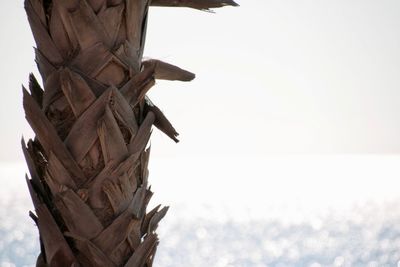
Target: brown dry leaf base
<point x="93" y="120"/>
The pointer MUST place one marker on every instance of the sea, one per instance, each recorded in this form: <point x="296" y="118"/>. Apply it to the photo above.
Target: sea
<point x="249" y="211"/>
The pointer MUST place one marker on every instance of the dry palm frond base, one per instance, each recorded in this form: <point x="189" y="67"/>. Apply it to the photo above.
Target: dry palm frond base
<point x="92" y="121"/>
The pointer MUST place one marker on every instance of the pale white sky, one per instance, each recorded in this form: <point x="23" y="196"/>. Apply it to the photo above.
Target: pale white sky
<point x="283" y="76"/>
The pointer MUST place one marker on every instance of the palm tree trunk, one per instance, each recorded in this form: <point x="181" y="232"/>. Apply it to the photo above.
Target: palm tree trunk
<point x="88" y="161"/>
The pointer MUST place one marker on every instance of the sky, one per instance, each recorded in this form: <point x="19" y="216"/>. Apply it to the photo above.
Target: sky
<point x="273" y="77"/>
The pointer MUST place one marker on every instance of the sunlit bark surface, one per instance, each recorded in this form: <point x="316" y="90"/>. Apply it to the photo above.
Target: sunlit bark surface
<point x="92" y="121"/>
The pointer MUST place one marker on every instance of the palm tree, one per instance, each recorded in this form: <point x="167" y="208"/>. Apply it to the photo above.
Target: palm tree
<point x="92" y="121"/>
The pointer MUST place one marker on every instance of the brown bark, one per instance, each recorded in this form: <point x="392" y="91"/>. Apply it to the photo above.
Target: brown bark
<point x="88" y="161"/>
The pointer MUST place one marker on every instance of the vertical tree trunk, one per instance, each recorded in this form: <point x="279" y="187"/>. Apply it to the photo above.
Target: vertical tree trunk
<point x="88" y="161"/>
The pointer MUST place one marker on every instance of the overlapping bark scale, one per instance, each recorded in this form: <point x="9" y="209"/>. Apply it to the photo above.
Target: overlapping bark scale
<point x="92" y="121"/>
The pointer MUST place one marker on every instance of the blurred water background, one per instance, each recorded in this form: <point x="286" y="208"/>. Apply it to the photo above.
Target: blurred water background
<point x="281" y="211"/>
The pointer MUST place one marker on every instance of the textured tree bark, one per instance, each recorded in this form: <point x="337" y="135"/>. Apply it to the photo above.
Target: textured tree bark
<point x="88" y="162"/>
